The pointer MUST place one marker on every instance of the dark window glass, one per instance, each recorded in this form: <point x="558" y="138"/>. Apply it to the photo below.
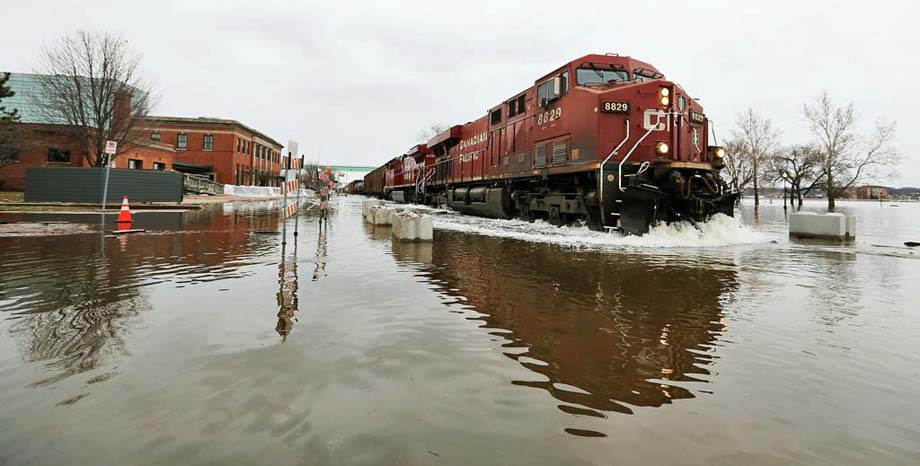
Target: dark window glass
<point x="58" y="155"/>
<point x="135" y="164"/>
<point x="599" y="76"/>
<point x="155" y="136"/>
<point x="496" y="116"/>
<point x="208" y="143"/>
<point x="521" y="107"/>
<point x="182" y="141"/>
<point x="512" y="108"/>
<point x="159" y="166"/>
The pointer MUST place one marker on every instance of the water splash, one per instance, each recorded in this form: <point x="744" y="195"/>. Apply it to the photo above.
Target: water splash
<point x="721" y="230"/>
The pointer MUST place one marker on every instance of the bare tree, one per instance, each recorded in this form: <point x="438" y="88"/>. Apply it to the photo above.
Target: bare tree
<point x="92" y="84"/>
<point x="846" y="156"/>
<point x="799" y="166"/>
<point x="737" y="168"/>
<point x="755" y="139"/>
<point x="433" y="130"/>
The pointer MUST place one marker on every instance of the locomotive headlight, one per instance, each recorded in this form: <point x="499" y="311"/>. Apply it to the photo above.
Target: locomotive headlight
<point x="662" y="148"/>
<point x="719" y="152"/>
<point x="664" y="96"/>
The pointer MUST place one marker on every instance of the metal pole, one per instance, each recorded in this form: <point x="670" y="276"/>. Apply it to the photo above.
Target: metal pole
<point x="297" y="214"/>
<point x="284" y="208"/>
<point x="105" y="187"/>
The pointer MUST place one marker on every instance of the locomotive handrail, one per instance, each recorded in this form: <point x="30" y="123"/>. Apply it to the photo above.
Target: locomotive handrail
<point x="620" y="168"/>
<point x="614" y="151"/>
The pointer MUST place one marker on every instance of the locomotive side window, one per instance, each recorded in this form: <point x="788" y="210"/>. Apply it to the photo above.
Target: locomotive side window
<point x="553" y="89"/>
<point x="597" y="76"/>
<point x="496" y="116"/>
<point x="516" y="106"/>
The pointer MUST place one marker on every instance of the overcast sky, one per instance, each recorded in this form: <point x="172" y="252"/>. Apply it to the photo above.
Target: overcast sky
<point x="355" y="82"/>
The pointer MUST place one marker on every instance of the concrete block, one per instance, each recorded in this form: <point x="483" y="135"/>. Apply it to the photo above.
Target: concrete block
<point x="368" y="203"/>
<point x="822" y="226"/>
<point x="406" y="226"/>
<point x="379" y="215"/>
<point x="851" y="227"/>
<point x="409" y="226"/>
<point x="425" y="228"/>
<point x="393" y="214"/>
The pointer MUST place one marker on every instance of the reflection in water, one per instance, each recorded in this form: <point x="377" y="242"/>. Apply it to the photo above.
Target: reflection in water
<point x="72" y="303"/>
<point x="320" y="260"/>
<point x="609" y="332"/>
<point x="287" y="293"/>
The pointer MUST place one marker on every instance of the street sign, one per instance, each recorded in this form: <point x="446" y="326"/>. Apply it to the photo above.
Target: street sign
<point x="111" y="147"/>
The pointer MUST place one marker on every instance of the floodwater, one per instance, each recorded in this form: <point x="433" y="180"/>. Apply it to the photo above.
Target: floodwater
<point x="204" y="341"/>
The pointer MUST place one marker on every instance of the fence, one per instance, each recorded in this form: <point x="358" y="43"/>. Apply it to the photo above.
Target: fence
<point x="84" y="185"/>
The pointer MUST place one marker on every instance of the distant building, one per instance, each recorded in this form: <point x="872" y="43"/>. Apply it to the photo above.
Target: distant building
<point x="872" y="192"/>
<point x="48" y="143"/>
<point x="227" y="151"/>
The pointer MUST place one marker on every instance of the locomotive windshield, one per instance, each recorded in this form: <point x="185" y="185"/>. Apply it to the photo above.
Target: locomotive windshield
<point x="599" y="76"/>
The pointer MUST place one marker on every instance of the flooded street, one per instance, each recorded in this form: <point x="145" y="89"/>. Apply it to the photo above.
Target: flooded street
<point x="203" y="341"/>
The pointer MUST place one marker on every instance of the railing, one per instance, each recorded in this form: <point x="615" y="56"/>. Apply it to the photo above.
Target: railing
<point x="199" y="184"/>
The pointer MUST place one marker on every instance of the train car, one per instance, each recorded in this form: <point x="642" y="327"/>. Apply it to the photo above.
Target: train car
<point x="354" y="187"/>
<point x="374" y="182"/>
<point x="604" y="138"/>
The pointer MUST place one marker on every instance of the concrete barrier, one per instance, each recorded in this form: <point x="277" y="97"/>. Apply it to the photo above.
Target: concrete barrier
<point x="367" y="204"/>
<point x="822" y="226"/>
<point x="409" y="226"/>
<point x="379" y="215"/>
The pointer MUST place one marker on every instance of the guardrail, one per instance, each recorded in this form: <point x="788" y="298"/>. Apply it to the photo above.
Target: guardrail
<point x="199" y="184"/>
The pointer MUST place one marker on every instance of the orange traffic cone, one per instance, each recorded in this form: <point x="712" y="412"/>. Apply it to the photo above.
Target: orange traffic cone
<point x="124" y="216"/>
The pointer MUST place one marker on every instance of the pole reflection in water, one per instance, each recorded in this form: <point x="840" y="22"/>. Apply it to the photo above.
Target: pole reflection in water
<point x="319" y="270"/>
<point x="609" y="332"/>
<point x="287" y="293"/>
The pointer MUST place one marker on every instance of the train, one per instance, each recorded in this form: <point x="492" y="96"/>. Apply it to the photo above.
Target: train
<point x="604" y="139"/>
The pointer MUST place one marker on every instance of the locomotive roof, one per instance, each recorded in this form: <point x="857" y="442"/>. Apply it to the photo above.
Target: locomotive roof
<point x="627" y="62"/>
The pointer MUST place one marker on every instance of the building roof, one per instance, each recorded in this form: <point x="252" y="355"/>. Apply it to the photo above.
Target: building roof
<point x="211" y="121"/>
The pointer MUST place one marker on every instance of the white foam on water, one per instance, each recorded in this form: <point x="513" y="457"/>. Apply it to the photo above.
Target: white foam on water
<point x="721" y="230"/>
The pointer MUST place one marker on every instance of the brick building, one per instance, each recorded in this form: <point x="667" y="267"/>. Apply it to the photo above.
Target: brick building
<point x="228" y="151"/>
<point x="872" y="192"/>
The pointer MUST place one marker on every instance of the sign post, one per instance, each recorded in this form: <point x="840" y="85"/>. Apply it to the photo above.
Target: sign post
<point x="111" y="147"/>
<point x="297" y="177"/>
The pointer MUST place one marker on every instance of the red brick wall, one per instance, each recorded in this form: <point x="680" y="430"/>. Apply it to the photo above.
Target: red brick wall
<point x="36" y="140"/>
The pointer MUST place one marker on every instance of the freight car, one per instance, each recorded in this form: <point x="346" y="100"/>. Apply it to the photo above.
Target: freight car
<point x="603" y="138"/>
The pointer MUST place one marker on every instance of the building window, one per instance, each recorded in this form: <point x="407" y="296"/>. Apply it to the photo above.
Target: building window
<point x="159" y="166"/>
<point x="155" y="136"/>
<point x="182" y="141"/>
<point x="58" y="155"/>
<point x="135" y="164"/>
<point x="208" y="142"/>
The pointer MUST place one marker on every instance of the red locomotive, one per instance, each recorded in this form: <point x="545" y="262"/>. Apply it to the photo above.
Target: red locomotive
<point x="603" y="138"/>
